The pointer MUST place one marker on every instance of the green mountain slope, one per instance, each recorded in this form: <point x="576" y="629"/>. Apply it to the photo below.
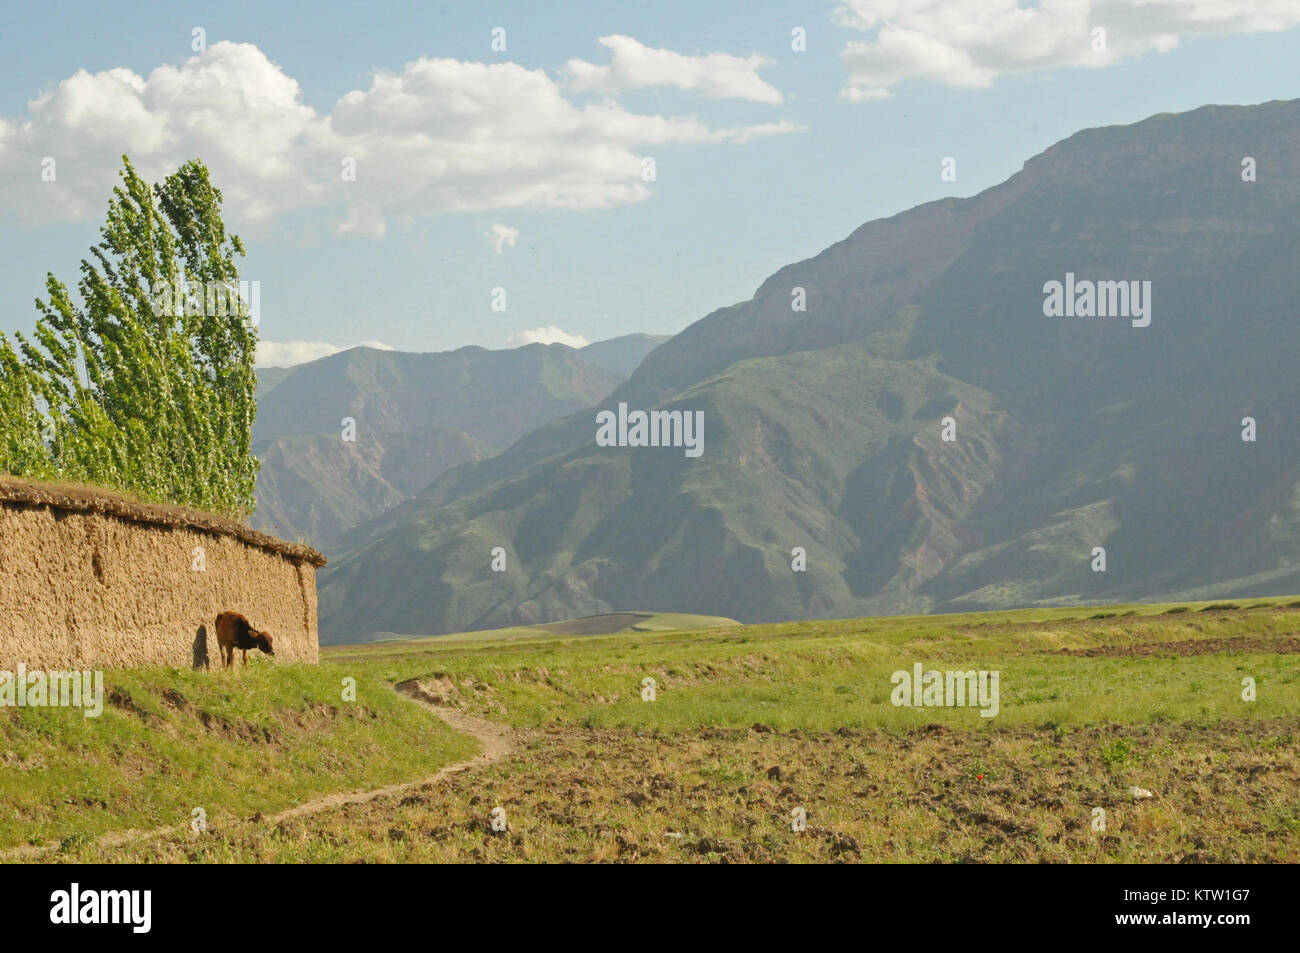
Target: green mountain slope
<point x="822" y="428"/>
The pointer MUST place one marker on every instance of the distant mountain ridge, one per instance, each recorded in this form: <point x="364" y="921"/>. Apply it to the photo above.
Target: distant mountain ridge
<point x="416" y="415"/>
<point x="824" y="427"/>
<point x="622" y="355"/>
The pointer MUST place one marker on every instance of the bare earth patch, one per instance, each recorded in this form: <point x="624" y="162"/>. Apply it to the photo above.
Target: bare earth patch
<point x="1222" y="794"/>
<point x="1283" y="645"/>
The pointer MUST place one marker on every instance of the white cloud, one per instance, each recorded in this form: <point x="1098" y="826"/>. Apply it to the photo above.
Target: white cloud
<point x="439" y="136"/>
<point x="231" y="106"/>
<point x="289" y="353"/>
<point x="502" y="235"/>
<point x="634" y="65"/>
<point x="971" y="43"/>
<point x="450" y="136"/>
<point x="547" y="335"/>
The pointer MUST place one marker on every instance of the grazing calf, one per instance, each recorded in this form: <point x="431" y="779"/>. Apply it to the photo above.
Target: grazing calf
<point x="234" y="632"/>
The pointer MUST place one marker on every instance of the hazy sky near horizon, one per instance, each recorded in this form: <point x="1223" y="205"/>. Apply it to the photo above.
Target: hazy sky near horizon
<point x="524" y="168"/>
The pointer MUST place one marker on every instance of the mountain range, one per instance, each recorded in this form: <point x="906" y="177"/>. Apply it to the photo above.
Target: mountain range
<point x="827" y="429"/>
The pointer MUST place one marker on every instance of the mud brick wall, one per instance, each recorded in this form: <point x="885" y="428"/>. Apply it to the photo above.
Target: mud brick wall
<point x="89" y="579"/>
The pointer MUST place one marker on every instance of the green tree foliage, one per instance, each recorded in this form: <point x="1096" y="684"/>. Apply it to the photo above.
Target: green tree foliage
<point x="147" y="384"/>
<point x="21" y="448"/>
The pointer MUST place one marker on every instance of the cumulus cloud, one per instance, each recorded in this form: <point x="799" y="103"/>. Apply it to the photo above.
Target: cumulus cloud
<point x="972" y="42"/>
<point x="289" y="353"/>
<point x="444" y="135"/>
<point x="634" y="65"/>
<point x="231" y="106"/>
<point x="502" y="235"/>
<point x="441" y="135"/>
<point x="547" y="335"/>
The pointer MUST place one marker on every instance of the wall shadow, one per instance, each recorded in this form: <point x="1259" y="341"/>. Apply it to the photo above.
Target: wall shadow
<point x="201" y="647"/>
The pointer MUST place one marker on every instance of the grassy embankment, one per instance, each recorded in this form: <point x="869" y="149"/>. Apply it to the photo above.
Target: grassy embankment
<point x="234" y="743"/>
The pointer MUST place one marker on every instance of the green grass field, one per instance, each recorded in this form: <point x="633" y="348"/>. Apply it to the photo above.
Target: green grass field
<point x="748" y="724"/>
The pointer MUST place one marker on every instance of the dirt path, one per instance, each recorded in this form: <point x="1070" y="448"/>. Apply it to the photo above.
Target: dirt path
<point x="497" y="741"/>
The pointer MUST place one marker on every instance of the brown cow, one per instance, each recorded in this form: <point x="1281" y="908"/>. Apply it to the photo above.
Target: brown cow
<point x="234" y="632"/>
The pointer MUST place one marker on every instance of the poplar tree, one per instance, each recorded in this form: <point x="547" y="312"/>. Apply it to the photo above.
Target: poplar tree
<point x="22" y="449"/>
<point x="145" y="384"/>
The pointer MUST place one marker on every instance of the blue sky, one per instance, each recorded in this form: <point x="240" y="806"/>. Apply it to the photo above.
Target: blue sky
<point x="763" y="156"/>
